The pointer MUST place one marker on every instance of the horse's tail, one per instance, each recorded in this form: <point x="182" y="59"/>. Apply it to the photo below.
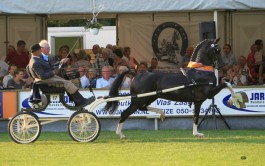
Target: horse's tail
<point x="111" y="106"/>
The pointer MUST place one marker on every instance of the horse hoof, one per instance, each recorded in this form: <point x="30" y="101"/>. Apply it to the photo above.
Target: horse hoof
<point x="199" y="135"/>
<point x="122" y="137"/>
<point x="230" y="103"/>
<point x="162" y="118"/>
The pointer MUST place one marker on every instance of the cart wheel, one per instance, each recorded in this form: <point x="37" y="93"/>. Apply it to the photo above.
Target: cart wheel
<point x="84" y="126"/>
<point x="24" y="128"/>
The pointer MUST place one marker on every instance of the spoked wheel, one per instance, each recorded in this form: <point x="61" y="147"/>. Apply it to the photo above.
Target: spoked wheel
<point x="84" y="126"/>
<point x="24" y="128"/>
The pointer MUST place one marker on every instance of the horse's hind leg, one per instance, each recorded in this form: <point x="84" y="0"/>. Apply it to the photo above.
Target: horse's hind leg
<point x="157" y="110"/>
<point x="124" y="115"/>
<point x="197" y="108"/>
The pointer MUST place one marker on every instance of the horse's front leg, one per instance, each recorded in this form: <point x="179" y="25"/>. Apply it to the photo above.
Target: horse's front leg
<point x="197" y="108"/>
<point x="124" y="115"/>
<point x="119" y="129"/>
<point x="233" y="96"/>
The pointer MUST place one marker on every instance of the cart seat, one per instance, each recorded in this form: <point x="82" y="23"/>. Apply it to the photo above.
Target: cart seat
<point x="56" y="87"/>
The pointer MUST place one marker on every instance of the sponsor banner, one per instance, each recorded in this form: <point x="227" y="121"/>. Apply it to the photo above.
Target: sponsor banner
<point x="1" y="105"/>
<point x="255" y="105"/>
<point x="8" y="107"/>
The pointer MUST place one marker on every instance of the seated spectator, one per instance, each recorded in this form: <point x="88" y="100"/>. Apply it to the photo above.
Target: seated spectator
<point x="19" y="57"/>
<point x="11" y="70"/>
<point x="244" y="70"/>
<point x="118" y="61"/>
<point x="154" y="64"/>
<point x="238" y="78"/>
<point x="106" y="80"/>
<point x="83" y="77"/>
<point x="112" y="72"/>
<point x="130" y="60"/>
<point x="109" y="46"/>
<point x="92" y="76"/>
<point x="98" y="62"/>
<point x="106" y="55"/>
<point x="228" y="58"/>
<point x="252" y="65"/>
<point x="126" y="83"/>
<point x="72" y="74"/>
<point x="63" y="51"/>
<point x="73" y="59"/>
<point x="3" y="69"/>
<point x="17" y="81"/>
<point x="186" y="57"/>
<point x="142" y="68"/>
<point x="82" y="60"/>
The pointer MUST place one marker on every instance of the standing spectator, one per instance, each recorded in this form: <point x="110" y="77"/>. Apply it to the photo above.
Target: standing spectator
<point x="92" y="76"/>
<point x="259" y="55"/>
<point x="106" y="80"/>
<point x="228" y="58"/>
<point x="19" y="57"/>
<point x="252" y="65"/>
<point x="11" y="70"/>
<point x="154" y="64"/>
<point x="186" y="57"/>
<point x="10" y="48"/>
<point x="131" y="61"/>
<point x="17" y="81"/>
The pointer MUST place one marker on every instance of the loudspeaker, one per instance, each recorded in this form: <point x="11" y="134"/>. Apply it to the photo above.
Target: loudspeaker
<point x="207" y="30"/>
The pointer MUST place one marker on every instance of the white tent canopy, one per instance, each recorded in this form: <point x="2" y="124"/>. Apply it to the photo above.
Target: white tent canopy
<point x="122" y="6"/>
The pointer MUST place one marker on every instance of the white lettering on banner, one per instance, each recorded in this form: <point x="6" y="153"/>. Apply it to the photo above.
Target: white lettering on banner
<point x="255" y="106"/>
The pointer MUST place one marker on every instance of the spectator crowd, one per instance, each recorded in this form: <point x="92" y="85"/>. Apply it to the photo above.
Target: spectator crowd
<point x="100" y="68"/>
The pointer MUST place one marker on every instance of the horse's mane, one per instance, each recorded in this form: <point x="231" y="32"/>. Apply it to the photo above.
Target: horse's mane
<point x="200" y="49"/>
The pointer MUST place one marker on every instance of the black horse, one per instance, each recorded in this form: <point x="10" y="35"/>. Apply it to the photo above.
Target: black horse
<point x="199" y="82"/>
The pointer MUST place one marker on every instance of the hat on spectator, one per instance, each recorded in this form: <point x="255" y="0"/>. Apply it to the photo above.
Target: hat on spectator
<point x="35" y="47"/>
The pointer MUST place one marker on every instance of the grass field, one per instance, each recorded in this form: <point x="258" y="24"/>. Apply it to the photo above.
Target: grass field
<point x="167" y="147"/>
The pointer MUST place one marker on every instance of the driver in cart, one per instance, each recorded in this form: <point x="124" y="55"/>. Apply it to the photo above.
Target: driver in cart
<point x="42" y="71"/>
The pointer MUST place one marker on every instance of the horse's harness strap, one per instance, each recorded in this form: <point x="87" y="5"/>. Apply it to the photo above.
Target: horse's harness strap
<point x="200" y="66"/>
<point x="186" y="75"/>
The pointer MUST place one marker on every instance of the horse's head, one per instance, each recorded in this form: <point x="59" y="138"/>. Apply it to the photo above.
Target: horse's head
<point x="215" y="54"/>
<point x="207" y="53"/>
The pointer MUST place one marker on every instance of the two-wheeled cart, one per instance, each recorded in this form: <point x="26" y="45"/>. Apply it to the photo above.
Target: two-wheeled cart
<point x="25" y="126"/>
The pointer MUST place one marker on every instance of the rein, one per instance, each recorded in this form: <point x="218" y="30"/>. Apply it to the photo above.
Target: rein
<point x="200" y="66"/>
